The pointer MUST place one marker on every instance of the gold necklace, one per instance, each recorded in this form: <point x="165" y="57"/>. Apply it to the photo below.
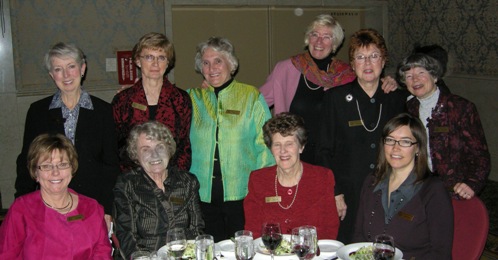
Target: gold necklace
<point x="361" y="119"/>
<point x="295" y="194"/>
<point x="67" y="207"/>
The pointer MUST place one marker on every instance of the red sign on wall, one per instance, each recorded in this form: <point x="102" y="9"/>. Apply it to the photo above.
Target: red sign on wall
<point x="127" y="72"/>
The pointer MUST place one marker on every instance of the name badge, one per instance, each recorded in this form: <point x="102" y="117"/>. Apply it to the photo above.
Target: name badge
<point x="442" y="129"/>
<point x="233" y="112"/>
<point x="354" y="123"/>
<point x="273" y="199"/>
<point x="405" y="216"/>
<point x="74" y="218"/>
<point x="176" y="200"/>
<point x="139" y="106"/>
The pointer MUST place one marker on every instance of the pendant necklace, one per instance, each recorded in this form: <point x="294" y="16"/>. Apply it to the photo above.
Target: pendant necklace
<point x="295" y="194"/>
<point x="361" y="119"/>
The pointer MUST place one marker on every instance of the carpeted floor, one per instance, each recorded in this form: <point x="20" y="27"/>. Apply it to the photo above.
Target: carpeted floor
<point x="490" y="197"/>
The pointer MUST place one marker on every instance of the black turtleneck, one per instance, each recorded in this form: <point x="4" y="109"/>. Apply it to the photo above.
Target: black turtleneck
<point x="222" y="87"/>
<point x="308" y="104"/>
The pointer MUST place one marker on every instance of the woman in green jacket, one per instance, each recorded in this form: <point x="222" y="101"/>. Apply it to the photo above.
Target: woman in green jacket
<point x="226" y="136"/>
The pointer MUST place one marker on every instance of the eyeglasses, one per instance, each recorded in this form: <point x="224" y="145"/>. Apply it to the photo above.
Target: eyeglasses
<point x="402" y="143"/>
<point x="314" y="36"/>
<point x="152" y="58"/>
<point x="50" y="167"/>
<point x="374" y="58"/>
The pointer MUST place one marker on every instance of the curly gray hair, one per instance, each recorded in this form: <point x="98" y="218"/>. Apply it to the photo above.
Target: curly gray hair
<point x="153" y="130"/>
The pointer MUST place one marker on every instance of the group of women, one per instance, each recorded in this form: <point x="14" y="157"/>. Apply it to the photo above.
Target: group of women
<point x="213" y="159"/>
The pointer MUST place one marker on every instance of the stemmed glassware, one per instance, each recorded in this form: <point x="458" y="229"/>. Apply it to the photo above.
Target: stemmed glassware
<point x="304" y="242"/>
<point x="271" y="236"/>
<point x="244" y="245"/>
<point x="176" y="241"/>
<point x="384" y="247"/>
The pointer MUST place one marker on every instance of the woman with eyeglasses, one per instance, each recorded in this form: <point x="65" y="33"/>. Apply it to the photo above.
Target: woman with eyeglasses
<point x="352" y="119"/>
<point x="403" y="199"/>
<point x="55" y="222"/>
<point x="85" y="119"/>
<point x="153" y="97"/>
<point x="297" y="84"/>
<point x="458" y="152"/>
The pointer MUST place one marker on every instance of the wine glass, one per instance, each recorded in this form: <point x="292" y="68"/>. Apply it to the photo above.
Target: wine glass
<point x="384" y="247"/>
<point x="304" y="242"/>
<point x="176" y="242"/>
<point x="244" y="246"/>
<point x="271" y="236"/>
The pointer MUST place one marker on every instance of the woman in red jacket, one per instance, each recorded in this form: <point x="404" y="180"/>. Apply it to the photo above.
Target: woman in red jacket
<point x="153" y="97"/>
<point x="293" y="193"/>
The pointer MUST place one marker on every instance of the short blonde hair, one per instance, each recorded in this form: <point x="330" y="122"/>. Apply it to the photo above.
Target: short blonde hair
<point x="335" y="29"/>
<point x="42" y="148"/>
<point x="155" y="41"/>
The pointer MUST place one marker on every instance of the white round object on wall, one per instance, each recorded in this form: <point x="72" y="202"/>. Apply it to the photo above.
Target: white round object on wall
<point x="298" y="11"/>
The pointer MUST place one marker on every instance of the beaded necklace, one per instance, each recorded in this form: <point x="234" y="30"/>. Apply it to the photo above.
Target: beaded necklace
<point x="295" y="194"/>
<point x="306" y="81"/>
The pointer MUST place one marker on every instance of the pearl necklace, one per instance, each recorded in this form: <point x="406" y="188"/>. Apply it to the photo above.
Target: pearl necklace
<point x="295" y="194"/>
<point x="361" y="119"/>
<point x="67" y="207"/>
<point x="306" y="81"/>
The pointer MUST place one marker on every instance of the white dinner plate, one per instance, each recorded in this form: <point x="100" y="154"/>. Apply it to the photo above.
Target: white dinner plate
<point x="344" y="251"/>
<point x="328" y="248"/>
<point x="227" y="248"/>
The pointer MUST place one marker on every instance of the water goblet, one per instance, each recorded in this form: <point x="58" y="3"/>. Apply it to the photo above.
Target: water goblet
<point x="303" y="242"/>
<point x="244" y="245"/>
<point x="204" y="247"/>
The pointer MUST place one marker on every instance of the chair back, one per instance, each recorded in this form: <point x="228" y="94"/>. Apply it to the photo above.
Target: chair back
<point x="471" y="224"/>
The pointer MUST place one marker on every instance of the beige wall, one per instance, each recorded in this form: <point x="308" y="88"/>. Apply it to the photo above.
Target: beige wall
<point x="102" y="27"/>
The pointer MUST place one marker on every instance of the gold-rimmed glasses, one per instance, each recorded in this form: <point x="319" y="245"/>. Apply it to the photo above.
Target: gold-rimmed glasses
<point x="50" y="167"/>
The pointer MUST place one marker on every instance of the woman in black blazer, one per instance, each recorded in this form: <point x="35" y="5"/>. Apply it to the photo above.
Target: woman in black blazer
<point x="86" y="120"/>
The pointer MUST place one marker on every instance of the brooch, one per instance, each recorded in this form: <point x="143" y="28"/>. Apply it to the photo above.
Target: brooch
<point x="349" y="97"/>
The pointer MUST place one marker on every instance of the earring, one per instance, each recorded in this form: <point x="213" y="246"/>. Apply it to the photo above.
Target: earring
<point x="416" y="154"/>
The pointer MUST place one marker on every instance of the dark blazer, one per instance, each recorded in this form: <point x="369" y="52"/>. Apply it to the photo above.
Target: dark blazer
<point x="95" y="142"/>
<point x="346" y="147"/>
<point x="458" y="147"/>
<point x="422" y="229"/>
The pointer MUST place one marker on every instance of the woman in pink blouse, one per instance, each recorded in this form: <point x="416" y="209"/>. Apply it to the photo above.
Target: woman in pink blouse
<point x="54" y="222"/>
